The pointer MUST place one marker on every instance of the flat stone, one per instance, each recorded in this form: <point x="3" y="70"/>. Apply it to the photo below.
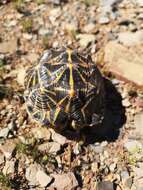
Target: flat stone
<point x="32" y="57"/>
<point x="131" y="38"/>
<point x="105" y="185"/>
<point x="43" y="178"/>
<point x="4" y="132"/>
<point x="89" y="28"/>
<point x="138" y="171"/>
<point x="133" y="146"/>
<point x="125" y="63"/>
<point x="64" y="181"/>
<point x="41" y="133"/>
<point x="103" y="20"/>
<point x="139" y="2"/>
<point x="49" y="147"/>
<point x="1" y="158"/>
<point x="9" y="46"/>
<point x="31" y="172"/>
<point x="21" y="72"/>
<point x="9" y="167"/>
<point x="85" y="39"/>
<point x="137" y="132"/>
<point x="8" y="148"/>
<point x="58" y="138"/>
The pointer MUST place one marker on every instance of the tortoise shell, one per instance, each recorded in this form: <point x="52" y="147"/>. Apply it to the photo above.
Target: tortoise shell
<point x="65" y="90"/>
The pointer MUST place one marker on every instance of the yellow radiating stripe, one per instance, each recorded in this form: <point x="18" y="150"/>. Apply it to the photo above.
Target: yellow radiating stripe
<point x="29" y="81"/>
<point x="62" y="100"/>
<point x="83" y="79"/>
<point x="59" y="76"/>
<point x="71" y="81"/>
<point x="49" y="73"/>
<point x="58" y="109"/>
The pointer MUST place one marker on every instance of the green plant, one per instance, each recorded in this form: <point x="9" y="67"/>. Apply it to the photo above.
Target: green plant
<point x="4" y="182"/>
<point x="27" y="25"/>
<point x="2" y="62"/>
<point x="90" y="2"/>
<point x="45" y="41"/>
<point x="39" y="2"/>
<point x="18" y="5"/>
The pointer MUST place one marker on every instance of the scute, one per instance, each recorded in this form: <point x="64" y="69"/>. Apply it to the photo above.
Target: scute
<point x="63" y="89"/>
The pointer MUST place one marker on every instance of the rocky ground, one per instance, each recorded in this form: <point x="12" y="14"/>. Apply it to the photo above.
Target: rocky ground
<point x="34" y="157"/>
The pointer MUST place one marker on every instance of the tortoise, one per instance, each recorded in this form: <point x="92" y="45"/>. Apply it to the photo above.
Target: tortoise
<point x="65" y="90"/>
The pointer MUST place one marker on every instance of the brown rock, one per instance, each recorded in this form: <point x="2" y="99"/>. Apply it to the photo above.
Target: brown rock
<point x="64" y="181"/>
<point x="9" y="46"/>
<point x="50" y="147"/>
<point x="125" y="63"/>
<point x="8" y="148"/>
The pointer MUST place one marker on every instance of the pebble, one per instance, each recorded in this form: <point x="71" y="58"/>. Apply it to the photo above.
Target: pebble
<point x="126" y="179"/>
<point x="85" y="39"/>
<point x="131" y="38"/>
<point x="8" y="148"/>
<point x="1" y="158"/>
<point x="21" y="72"/>
<point x="31" y="172"/>
<point x="118" y="58"/>
<point x="103" y="20"/>
<point x="133" y="146"/>
<point x="43" y="178"/>
<point x="58" y="138"/>
<point x="139" y="2"/>
<point x="97" y="148"/>
<point x="8" y="46"/>
<point x="9" y="167"/>
<point x="27" y="36"/>
<point x="126" y="103"/>
<point x="112" y="167"/>
<point x="89" y="28"/>
<point x="41" y="133"/>
<point x="105" y="185"/>
<point x="138" y="129"/>
<point x="138" y="171"/>
<point x="4" y="132"/>
<point x="64" y="181"/>
<point x="50" y="147"/>
<point x="44" y="32"/>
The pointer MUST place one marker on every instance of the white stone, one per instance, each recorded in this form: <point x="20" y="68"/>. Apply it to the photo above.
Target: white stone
<point x="133" y="146"/>
<point x="31" y="172"/>
<point x="4" y="132"/>
<point x="9" y="167"/>
<point x="43" y="178"/>
<point x="8" y="148"/>
<point x="64" y="181"/>
<point x="9" y="46"/>
<point x="50" y="147"/>
<point x="41" y="133"/>
<point x="85" y="39"/>
<point x="131" y="38"/>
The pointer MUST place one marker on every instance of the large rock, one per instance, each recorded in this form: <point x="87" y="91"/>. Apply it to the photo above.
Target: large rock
<point x="8" y="148"/>
<point x="131" y="38"/>
<point x="105" y="185"/>
<point x="9" y="46"/>
<point x="50" y="147"/>
<point x="64" y="181"/>
<point x="85" y="39"/>
<point x="43" y="178"/>
<point x="125" y="63"/>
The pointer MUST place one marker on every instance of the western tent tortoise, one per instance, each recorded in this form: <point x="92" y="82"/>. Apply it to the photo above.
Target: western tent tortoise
<point x="65" y="90"/>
